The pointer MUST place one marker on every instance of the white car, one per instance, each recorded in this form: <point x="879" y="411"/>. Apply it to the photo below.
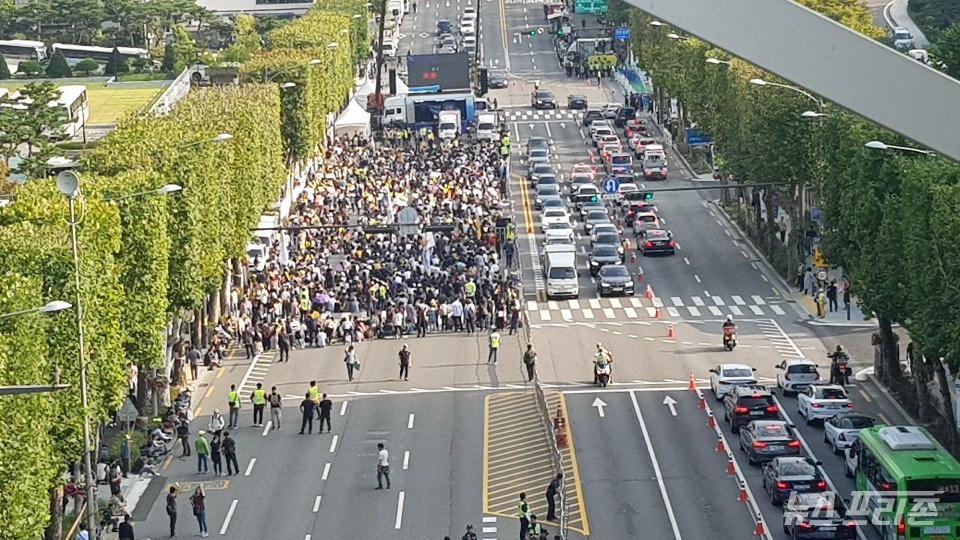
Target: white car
<point x="850" y="458"/>
<point x="554" y="215"/>
<point x="468" y="28"/>
<point x="602" y="228"/>
<point x="823" y="401"/>
<point x="599" y="124"/>
<point x="601" y="133"/>
<point x="558" y="232"/>
<point x="843" y="430"/>
<point x="725" y="377"/>
<point x="796" y="374"/>
<point x="625" y="187"/>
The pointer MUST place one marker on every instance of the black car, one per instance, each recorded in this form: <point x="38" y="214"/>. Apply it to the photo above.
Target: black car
<point x="543" y="99"/>
<point x="817" y="516"/>
<point x="539" y="168"/>
<point x="496" y="80"/>
<point x="577" y="102"/>
<point x="609" y="239"/>
<point x="656" y="241"/>
<point x="593" y="218"/>
<point x="785" y="475"/>
<point x="444" y="26"/>
<point x="602" y="255"/>
<point x="591" y="115"/>
<point x="624" y="115"/>
<point x="614" y="279"/>
<point x="747" y="403"/>
<point x="763" y="440"/>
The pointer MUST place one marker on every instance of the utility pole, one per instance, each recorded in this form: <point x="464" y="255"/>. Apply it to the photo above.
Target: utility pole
<point x="377" y="120"/>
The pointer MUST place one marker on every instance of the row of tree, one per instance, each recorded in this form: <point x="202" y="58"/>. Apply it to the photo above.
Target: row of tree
<point x="891" y="221"/>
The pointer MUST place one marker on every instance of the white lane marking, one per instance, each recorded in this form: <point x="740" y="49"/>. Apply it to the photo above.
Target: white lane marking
<point x="631" y="313"/>
<point x="674" y="312"/>
<point x="343" y="408"/>
<point x="656" y="466"/>
<point x="574" y="304"/>
<point x="410" y="421"/>
<point x="696" y="277"/>
<point x="594" y="303"/>
<point x="307" y="537"/>
<point x="686" y="260"/>
<point x="333" y="443"/>
<point x="715" y="311"/>
<point x="489" y="530"/>
<point x="636" y="302"/>
<point x="552" y="304"/>
<point x="756" y="310"/>
<point x="736" y="311"/>
<point x="718" y="300"/>
<point x="615" y="303"/>
<point x="326" y="472"/>
<point x="266" y="428"/>
<point x="250" y="466"/>
<point x="677" y="301"/>
<point x="651" y="312"/>
<point x="694" y="312"/>
<point x="226" y="522"/>
<point x="608" y="313"/>
<point x="316" y="504"/>
<point x="697" y="301"/>
<point x="566" y="314"/>
<point x="587" y="313"/>
<point x="777" y="309"/>
<point x="532" y="305"/>
<point x="544" y="315"/>
<point x="757" y="299"/>
<point x="489" y="519"/>
<point x="406" y="459"/>
<point x="399" y="511"/>
<point x="739" y="301"/>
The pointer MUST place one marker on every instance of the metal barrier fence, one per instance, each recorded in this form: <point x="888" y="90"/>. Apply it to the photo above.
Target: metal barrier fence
<point x="179" y="88"/>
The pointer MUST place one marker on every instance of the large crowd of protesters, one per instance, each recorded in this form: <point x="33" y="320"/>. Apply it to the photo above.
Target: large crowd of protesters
<point x="343" y="271"/>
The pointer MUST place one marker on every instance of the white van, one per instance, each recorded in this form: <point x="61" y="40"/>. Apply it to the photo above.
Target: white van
<point x="562" y="279"/>
<point x="486" y="126"/>
<point x="448" y="124"/>
<point x="552" y="249"/>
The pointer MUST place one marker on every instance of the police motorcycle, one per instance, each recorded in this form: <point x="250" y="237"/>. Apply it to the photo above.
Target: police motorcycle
<point x="602" y="366"/>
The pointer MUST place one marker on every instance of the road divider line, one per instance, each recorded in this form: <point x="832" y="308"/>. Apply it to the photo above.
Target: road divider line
<point x="316" y="505"/>
<point x="656" y="466"/>
<point x="399" y="511"/>
<point x="410" y="421"/>
<point x="209" y="392"/>
<point x="226" y="522"/>
<point x="326" y="472"/>
<point x="406" y="459"/>
<point x="333" y="443"/>
<point x="343" y="408"/>
<point x="250" y="466"/>
<point x="266" y="428"/>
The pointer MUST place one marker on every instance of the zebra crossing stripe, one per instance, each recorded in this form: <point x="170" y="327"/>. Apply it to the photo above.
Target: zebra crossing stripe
<point x="587" y="313"/>
<point x="718" y="300"/>
<point x="532" y="305"/>
<point x="697" y="301"/>
<point x="615" y="303"/>
<point x="608" y="313"/>
<point x="594" y="303"/>
<point x="715" y="311"/>
<point x="738" y="301"/>
<point x="694" y="312"/>
<point x="756" y="310"/>
<point x="566" y="314"/>
<point x="757" y="299"/>
<point x="631" y="313"/>
<point x="544" y="314"/>
<point x="651" y="312"/>
<point x="677" y="301"/>
<point x="636" y="302"/>
<point x="736" y="311"/>
<point x="777" y="309"/>
<point x="574" y="304"/>
<point x="674" y="312"/>
<point x="552" y="304"/>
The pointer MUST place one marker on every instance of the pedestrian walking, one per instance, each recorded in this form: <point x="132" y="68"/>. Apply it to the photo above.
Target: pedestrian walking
<point x="782" y="228"/>
<point x="233" y="401"/>
<point x="808" y="282"/>
<point x="324" y="408"/>
<point x="800" y="274"/>
<point x="383" y="466"/>
<point x="283" y="343"/>
<point x="821" y="300"/>
<point x="832" y="295"/>
<point x="523" y="512"/>
<point x="198" y="501"/>
<point x="126" y="529"/>
<point x="115" y="477"/>
<point x="552" y="492"/>
<point x="276" y="408"/>
<point x="350" y="359"/>
<point x="215" y="453"/>
<point x="307" y="407"/>
<point x="248" y="342"/>
<point x="404" y="364"/>
<point x="125" y="454"/>
<point x="193" y="356"/>
<point x="183" y="433"/>
<point x="172" y="509"/>
<point x="259" y="399"/>
<point x="202" y="446"/>
<point x="846" y="293"/>
<point x="217" y="423"/>
<point x="229" y="448"/>
<point x="530" y="361"/>
<point x="494" y="344"/>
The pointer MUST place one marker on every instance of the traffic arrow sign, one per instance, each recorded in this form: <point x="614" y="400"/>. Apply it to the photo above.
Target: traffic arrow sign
<point x="599" y="404"/>
<point x="671" y="403"/>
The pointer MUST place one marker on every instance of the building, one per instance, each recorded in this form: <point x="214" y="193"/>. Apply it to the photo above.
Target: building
<point x="279" y="8"/>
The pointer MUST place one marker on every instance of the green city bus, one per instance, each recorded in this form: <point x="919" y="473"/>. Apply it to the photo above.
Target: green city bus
<point x="908" y="485"/>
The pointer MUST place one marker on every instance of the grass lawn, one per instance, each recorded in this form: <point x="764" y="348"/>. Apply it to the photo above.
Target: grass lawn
<point x="110" y="105"/>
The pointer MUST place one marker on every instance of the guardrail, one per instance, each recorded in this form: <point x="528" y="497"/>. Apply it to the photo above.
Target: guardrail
<point x="179" y="88"/>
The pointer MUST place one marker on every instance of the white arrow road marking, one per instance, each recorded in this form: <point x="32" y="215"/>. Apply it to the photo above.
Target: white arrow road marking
<point x="599" y="404"/>
<point x="671" y="404"/>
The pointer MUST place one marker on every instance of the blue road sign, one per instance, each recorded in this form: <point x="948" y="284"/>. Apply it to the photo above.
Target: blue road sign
<point x="621" y="33"/>
<point x="611" y="185"/>
<point x="694" y="137"/>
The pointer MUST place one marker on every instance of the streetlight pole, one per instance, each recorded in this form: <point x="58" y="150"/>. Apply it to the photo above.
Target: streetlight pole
<point x="54" y="386"/>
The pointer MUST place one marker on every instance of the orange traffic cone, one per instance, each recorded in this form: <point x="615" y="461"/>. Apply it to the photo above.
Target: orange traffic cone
<point x="633" y="258"/>
<point x="693" y="382"/>
<point x="720" y="447"/>
<point x="730" y="468"/>
<point x="649" y="293"/>
<point x="759" y="530"/>
<point x="639" y="277"/>
<point x="702" y="403"/>
<point x="711" y="422"/>
<point x="742" y="497"/>
<point x="670" y="333"/>
<point x="659" y="315"/>
<point x="626" y="246"/>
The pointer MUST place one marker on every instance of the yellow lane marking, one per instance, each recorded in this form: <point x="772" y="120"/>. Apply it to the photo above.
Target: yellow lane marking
<point x="484" y="488"/>
<point x="527" y="214"/>
<point x="571" y="453"/>
<point x="166" y="463"/>
<point x="503" y="27"/>
<point x="209" y="392"/>
<point x="764" y="278"/>
<point x="884" y="419"/>
<point x="775" y="291"/>
<point x="865" y="396"/>
<point x="220" y="373"/>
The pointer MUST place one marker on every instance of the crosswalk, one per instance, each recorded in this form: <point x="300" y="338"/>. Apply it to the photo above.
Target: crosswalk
<point x="638" y="307"/>
<point x="528" y="115"/>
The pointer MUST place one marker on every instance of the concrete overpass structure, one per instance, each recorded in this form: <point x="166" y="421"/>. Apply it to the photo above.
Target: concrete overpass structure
<point x="827" y="58"/>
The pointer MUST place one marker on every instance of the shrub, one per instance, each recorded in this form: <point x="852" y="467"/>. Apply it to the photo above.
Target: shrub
<point x="58" y="68"/>
<point x="86" y="66"/>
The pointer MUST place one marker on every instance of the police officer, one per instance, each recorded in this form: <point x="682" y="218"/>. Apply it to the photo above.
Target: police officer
<point x="535" y="531"/>
<point x="233" y="401"/>
<point x="523" y="512"/>
<point x="259" y="399"/>
<point x="494" y="347"/>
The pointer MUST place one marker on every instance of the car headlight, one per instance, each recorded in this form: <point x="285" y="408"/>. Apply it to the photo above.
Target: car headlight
<point x="604" y="284"/>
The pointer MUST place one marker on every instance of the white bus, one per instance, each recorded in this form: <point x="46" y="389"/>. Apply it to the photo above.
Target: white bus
<point x="73" y="102"/>
<point x="76" y="53"/>
<point x="24" y="49"/>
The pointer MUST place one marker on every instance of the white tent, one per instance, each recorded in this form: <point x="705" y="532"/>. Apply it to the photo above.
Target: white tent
<point x="369" y="86"/>
<point x="402" y="87"/>
<point x="353" y="119"/>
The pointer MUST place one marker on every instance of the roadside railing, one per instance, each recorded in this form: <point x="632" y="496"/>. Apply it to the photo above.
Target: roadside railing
<point x="179" y="88"/>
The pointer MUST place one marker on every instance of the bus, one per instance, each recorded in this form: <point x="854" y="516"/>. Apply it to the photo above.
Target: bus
<point x="76" y="53"/>
<point x="908" y="485"/>
<point x="73" y="102"/>
<point x="24" y="49"/>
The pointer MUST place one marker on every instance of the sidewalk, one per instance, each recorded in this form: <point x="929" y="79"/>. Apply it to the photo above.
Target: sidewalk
<point x="852" y="316"/>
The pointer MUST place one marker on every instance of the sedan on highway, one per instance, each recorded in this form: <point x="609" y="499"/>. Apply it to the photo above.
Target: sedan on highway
<point x="560" y="232"/>
<point x="578" y="180"/>
<point x="447" y="41"/>
<point x="538" y="155"/>
<point x="726" y="376"/>
<point x="537" y="169"/>
<point x="656" y="242"/>
<point x="554" y="202"/>
<point x="603" y="228"/>
<point x="602" y="255"/>
<point x="543" y="99"/>
<point x="841" y="431"/>
<point x="599" y="124"/>
<point x="577" y="102"/>
<point x="763" y="440"/>
<point x="607" y="239"/>
<point x="594" y="218"/>
<point x="551" y="216"/>
<point x="615" y="279"/>
<point x="784" y="475"/>
<point x="820" y="402"/>
<point x="544" y="191"/>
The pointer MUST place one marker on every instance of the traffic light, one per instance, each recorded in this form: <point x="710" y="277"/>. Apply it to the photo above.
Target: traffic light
<point x="647" y="196"/>
<point x="560" y="31"/>
<point x="532" y="32"/>
<point x="594" y="198"/>
<point x="483" y="77"/>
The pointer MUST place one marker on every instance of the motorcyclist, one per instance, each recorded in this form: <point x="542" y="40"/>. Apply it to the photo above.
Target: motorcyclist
<point x="838" y="366"/>
<point x="729" y="327"/>
<point x="601" y="358"/>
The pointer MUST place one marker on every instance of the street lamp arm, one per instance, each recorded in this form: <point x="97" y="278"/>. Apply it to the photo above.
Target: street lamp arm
<point x="800" y="91"/>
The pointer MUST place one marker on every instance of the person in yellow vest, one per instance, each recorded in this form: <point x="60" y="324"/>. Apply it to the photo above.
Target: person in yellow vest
<point x="494" y="347"/>
<point x="314" y="395"/>
<point x="535" y="531"/>
<point x="233" y="401"/>
<point x="259" y="399"/>
<point x="523" y="512"/>
<point x="470" y="288"/>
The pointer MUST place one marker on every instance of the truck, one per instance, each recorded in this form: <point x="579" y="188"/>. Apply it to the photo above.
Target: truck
<point x="449" y="124"/>
<point x="417" y="111"/>
<point x="654" y="162"/>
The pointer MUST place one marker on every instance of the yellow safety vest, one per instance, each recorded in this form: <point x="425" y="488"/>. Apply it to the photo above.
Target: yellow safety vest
<point x="259" y="397"/>
<point x="233" y="401"/>
<point x="495" y="340"/>
<point x="314" y="394"/>
<point x="470" y="288"/>
<point x="522" y="509"/>
<point x="511" y="233"/>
